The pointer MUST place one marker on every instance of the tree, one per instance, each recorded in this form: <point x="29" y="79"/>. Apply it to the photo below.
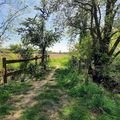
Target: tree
<point x="32" y="33"/>
<point x="41" y="37"/>
<point x="15" y="48"/>
<point x="7" y="20"/>
<point x="21" y="49"/>
<point x="102" y="16"/>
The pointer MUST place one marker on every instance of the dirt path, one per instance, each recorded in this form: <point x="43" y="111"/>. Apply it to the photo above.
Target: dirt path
<point x="21" y="102"/>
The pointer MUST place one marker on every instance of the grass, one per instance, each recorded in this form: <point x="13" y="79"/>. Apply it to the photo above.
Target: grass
<point x="6" y="92"/>
<point x="46" y="100"/>
<point x="60" y="61"/>
<point x="81" y="102"/>
<point x="10" y="56"/>
<point x="86" y="102"/>
<point x="16" y="88"/>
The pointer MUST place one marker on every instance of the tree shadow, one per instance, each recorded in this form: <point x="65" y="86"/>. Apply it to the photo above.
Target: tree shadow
<point x="48" y="103"/>
<point x="6" y="95"/>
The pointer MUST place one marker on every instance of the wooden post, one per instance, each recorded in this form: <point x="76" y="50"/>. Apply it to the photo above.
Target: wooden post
<point x="5" y="70"/>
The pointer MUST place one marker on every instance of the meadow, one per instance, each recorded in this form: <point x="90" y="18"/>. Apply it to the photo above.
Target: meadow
<point x="9" y="56"/>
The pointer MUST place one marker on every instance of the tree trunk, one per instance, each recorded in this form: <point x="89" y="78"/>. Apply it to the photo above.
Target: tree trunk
<point x="101" y="61"/>
<point x="43" y="62"/>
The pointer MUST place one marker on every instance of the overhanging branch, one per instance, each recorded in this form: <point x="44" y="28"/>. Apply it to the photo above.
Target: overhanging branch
<point x="114" y="46"/>
<point x="9" y="20"/>
<point x="2" y="3"/>
<point x="83" y="3"/>
<point x="115" y="56"/>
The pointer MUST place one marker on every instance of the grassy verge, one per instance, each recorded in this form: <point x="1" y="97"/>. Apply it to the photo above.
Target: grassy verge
<point x="86" y="102"/>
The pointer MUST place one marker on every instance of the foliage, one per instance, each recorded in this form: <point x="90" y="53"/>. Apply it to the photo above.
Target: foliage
<point x="26" y="53"/>
<point x="86" y="101"/>
<point x="114" y="70"/>
<point x="32" y="33"/>
<point x="83" y="49"/>
<point x="93" y="14"/>
<point x="15" y="48"/>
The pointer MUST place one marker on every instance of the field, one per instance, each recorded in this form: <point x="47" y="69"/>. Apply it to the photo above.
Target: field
<point x="57" y="55"/>
<point x="8" y="55"/>
<point x="58" y="60"/>
<point x="11" y="56"/>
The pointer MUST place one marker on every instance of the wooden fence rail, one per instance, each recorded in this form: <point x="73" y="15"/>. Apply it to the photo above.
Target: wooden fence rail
<point x="5" y="62"/>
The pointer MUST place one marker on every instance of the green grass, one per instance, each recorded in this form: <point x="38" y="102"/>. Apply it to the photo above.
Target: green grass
<point x="34" y="113"/>
<point x="86" y="102"/>
<point x="46" y="100"/>
<point x="75" y="111"/>
<point x="50" y="98"/>
<point x="9" y="56"/>
<point x="83" y="102"/>
<point x="7" y="91"/>
<point x="60" y="62"/>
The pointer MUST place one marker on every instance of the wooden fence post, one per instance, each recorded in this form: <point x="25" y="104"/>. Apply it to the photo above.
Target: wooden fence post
<point x="5" y="70"/>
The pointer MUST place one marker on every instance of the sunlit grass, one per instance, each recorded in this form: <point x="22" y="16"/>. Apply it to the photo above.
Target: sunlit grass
<point x="86" y="102"/>
<point x="6" y="92"/>
<point x="9" y="56"/>
<point x="59" y="62"/>
<point x="46" y="100"/>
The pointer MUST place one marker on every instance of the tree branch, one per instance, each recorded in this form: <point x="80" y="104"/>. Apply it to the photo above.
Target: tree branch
<point x="116" y="10"/>
<point x="83" y="3"/>
<point x="116" y="54"/>
<point x="9" y="20"/>
<point x="96" y="20"/>
<point x="114" y="33"/>
<point x="114" y="46"/>
<point x="99" y="14"/>
<point x="83" y="7"/>
<point x="2" y="3"/>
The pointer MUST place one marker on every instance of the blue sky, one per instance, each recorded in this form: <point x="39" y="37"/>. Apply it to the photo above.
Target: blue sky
<point x="30" y="12"/>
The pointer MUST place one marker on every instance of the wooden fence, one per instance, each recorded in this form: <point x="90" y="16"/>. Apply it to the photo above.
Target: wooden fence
<point x="5" y="62"/>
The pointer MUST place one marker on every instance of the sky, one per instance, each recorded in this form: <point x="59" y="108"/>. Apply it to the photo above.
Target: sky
<point x="14" y="38"/>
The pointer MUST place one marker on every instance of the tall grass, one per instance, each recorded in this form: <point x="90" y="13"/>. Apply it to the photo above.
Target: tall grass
<point x="86" y="102"/>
